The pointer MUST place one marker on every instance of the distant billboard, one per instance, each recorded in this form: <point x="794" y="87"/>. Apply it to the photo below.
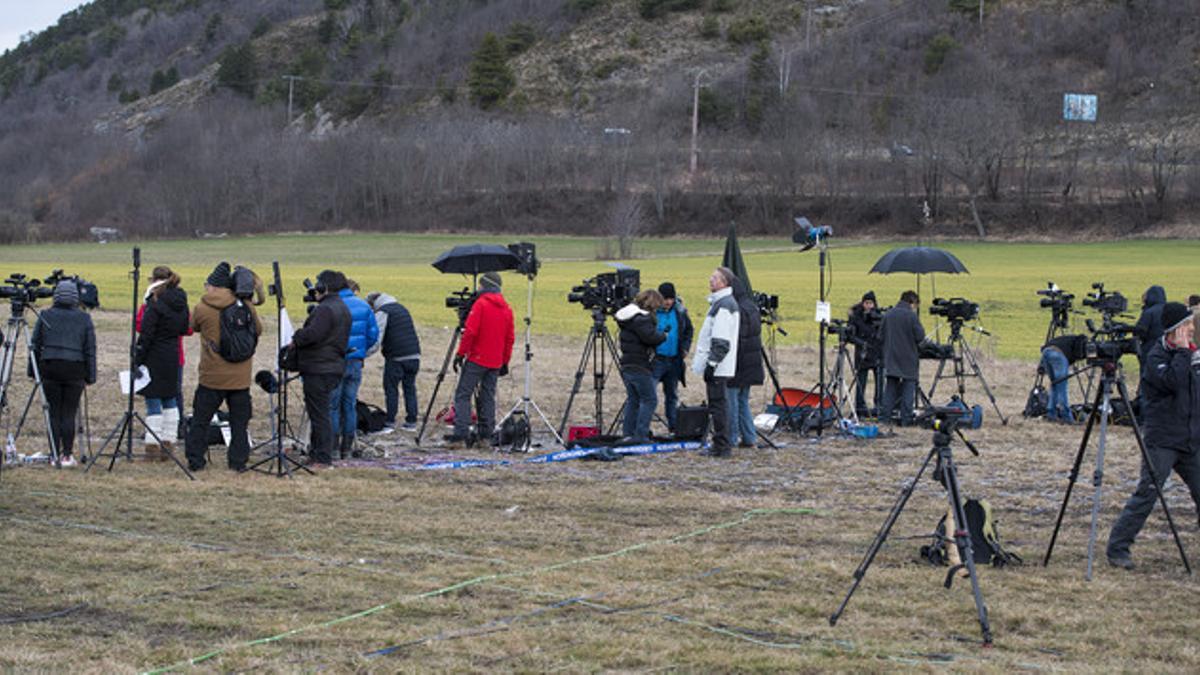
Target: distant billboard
<point x="1079" y="107"/>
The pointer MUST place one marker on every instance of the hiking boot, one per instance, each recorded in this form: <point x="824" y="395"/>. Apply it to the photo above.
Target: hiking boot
<point x="717" y="452"/>
<point x="1122" y="560"/>
<point x="409" y="426"/>
<point x="455" y="442"/>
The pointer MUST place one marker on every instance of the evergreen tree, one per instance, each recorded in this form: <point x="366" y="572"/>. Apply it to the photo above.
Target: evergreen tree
<point x="238" y="69"/>
<point x="489" y="77"/>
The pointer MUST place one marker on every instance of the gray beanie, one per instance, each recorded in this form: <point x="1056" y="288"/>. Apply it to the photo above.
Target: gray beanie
<point x="66" y="293"/>
<point x="490" y="280"/>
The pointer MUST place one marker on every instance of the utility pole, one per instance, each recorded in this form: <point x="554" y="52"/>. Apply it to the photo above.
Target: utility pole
<point x="785" y="69"/>
<point x="291" y="90"/>
<point x="808" y="25"/>
<point x="696" y="118"/>
<point x="980" y="14"/>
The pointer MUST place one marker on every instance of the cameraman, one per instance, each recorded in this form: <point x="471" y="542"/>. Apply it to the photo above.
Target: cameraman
<point x="902" y="334"/>
<point x="865" y="319"/>
<point x="483" y="355"/>
<point x="321" y="352"/>
<point x="1170" y="397"/>
<point x="717" y="354"/>
<point x="64" y="345"/>
<point x="639" y="338"/>
<point x="673" y="320"/>
<point x="1057" y="356"/>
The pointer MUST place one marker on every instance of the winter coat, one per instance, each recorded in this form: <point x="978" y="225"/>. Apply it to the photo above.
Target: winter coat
<point x="488" y="335"/>
<point x="321" y="343"/>
<point x="1171" y="398"/>
<point x="1149" y="325"/>
<point x="179" y="343"/>
<point x="901" y="333"/>
<point x="65" y="334"/>
<point x="163" y="323"/>
<point x="215" y="372"/>
<point x="639" y="336"/>
<point x="868" y="343"/>
<point x="686" y="330"/>
<point x="397" y="335"/>
<point x="718" y="343"/>
<point x="364" y="332"/>
<point x="750" y="349"/>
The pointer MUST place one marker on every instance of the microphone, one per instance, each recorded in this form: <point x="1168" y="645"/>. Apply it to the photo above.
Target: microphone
<point x="266" y="380"/>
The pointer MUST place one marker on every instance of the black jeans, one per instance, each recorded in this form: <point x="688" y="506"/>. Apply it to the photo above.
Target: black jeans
<point x="718" y="411"/>
<point x="318" y="391"/>
<point x="62" y="382"/>
<point x="860" y="388"/>
<point x="1142" y="501"/>
<point x="473" y="376"/>
<point x="902" y="391"/>
<point x="204" y="405"/>
<point x="397" y="374"/>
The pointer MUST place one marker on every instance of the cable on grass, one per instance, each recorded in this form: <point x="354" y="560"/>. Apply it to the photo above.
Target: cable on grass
<point x="29" y="618"/>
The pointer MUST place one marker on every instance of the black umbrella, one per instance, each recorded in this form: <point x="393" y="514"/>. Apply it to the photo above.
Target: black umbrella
<point x="919" y="260"/>
<point x="476" y="259"/>
<point x="733" y="257"/>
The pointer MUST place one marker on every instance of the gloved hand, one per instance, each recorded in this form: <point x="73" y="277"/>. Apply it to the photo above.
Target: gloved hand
<point x="503" y="370"/>
<point x="458" y="361"/>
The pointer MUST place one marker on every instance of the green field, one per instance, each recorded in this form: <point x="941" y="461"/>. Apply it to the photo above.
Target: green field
<point x="1003" y="276"/>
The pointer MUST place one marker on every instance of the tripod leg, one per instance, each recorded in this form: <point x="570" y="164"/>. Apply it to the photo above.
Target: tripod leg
<point x="1087" y="433"/>
<point x="983" y="381"/>
<point x="1137" y="433"/>
<point x="588" y="346"/>
<point x="1098" y="478"/>
<point x="937" y="377"/>
<point x="962" y="539"/>
<point x="438" y="384"/>
<point x="881" y="537"/>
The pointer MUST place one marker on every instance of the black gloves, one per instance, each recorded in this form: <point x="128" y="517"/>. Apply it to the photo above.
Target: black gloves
<point x="458" y="361"/>
<point x="503" y="370"/>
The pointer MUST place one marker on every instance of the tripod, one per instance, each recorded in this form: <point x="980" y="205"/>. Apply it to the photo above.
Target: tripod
<point x="963" y="353"/>
<point x="599" y="341"/>
<point x="945" y="425"/>
<point x="527" y="401"/>
<point x="279" y="462"/>
<point x="1059" y="324"/>
<point x="837" y="378"/>
<point x="124" y="430"/>
<point x="1111" y="375"/>
<point x="458" y="330"/>
<point x="17" y="328"/>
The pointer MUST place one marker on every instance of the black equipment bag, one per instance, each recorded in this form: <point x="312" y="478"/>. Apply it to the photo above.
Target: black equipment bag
<point x="513" y="434"/>
<point x="239" y="337"/>
<point x="1038" y="402"/>
<point x="691" y="422"/>
<point x="371" y="418"/>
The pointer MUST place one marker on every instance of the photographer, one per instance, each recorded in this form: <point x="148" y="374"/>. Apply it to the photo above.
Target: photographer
<point x="749" y="371"/>
<point x="673" y="320"/>
<point x="1057" y="356"/>
<point x="902" y="334"/>
<point x="162" y="323"/>
<point x="483" y="355"/>
<point x="716" y="355"/>
<point x="639" y="338"/>
<point x="865" y="321"/>
<point x="321" y="352"/>
<point x="401" y="359"/>
<point x="1171" y="392"/>
<point x="364" y="333"/>
<point x="225" y="368"/>
<point x="64" y="345"/>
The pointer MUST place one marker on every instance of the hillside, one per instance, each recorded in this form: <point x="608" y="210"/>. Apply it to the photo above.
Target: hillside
<point x="403" y="115"/>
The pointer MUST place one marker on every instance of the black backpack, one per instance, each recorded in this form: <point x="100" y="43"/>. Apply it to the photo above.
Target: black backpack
<point x="513" y="434"/>
<point x="239" y="338"/>
<point x="1038" y="402"/>
<point x="371" y="418"/>
<point x="985" y="541"/>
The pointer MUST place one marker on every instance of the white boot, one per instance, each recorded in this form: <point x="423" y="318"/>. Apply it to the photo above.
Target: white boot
<point x="154" y="423"/>
<point x="170" y="428"/>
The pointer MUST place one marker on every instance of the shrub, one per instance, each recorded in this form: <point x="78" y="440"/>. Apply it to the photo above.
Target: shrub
<point x="261" y="27"/>
<point x="710" y="28"/>
<point x="520" y="37"/>
<point x="747" y="30"/>
<point x="238" y="69"/>
<point x="936" y="52"/>
<point x="653" y="9"/>
<point x="489" y="77"/>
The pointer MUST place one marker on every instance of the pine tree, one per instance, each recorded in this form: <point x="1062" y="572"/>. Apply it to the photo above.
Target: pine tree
<point x="489" y="77"/>
<point x="238" y="69"/>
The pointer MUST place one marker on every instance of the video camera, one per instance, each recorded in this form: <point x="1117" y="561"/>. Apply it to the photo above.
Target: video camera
<point x="1058" y="302"/>
<point x="1110" y="341"/>
<point x="840" y="328"/>
<point x="461" y="301"/>
<point x="954" y="309"/>
<point x="527" y="254"/>
<point x="607" y="292"/>
<point x="310" y="292"/>
<point x="1108" y="303"/>
<point x="23" y="290"/>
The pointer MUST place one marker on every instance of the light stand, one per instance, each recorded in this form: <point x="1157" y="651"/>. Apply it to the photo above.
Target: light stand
<point x="124" y="429"/>
<point x="527" y="401"/>
<point x="812" y="236"/>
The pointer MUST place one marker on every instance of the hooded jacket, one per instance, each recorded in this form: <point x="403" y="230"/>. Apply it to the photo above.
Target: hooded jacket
<point x="364" y="332"/>
<point x="65" y="334"/>
<point x="488" y="335"/>
<point x="321" y="343"/>
<point x="1149" y="326"/>
<point x="215" y="372"/>
<point x="866" y="336"/>
<point x="639" y="336"/>
<point x="718" y="343"/>
<point x="397" y="336"/>
<point x="901" y="333"/>
<point x="749" y="352"/>
<point x="163" y="322"/>
<point x="1171" y="398"/>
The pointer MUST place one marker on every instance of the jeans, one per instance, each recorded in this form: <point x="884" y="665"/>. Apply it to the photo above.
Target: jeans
<point x="1129" y="523"/>
<point x="342" y="411"/>
<point x="1055" y="363"/>
<point x="902" y="391"/>
<point x="154" y="406"/>
<point x="640" y="402"/>
<point x="396" y="374"/>
<point x="473" y="376"/>
<point x="741" y="419"/>
<point x="860" y="389"/>
<point x="667" y="370"/>
<point x="318" y="390"/>
<point x="62" y="383"/>
<point x="204" y="406"/>
<point x="718" y="412"/>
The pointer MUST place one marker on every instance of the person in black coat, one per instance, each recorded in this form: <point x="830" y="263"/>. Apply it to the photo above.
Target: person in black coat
<point x="321" y="351"/>
<point x="902" y="335"/>
<point x="164" y="319"/>
<point x="1171" y="408"/>
<point x="64" y="345"/>
<point x="639" y="338"/>
<point x="749" y="369"/>
<point x="865" y="321"/>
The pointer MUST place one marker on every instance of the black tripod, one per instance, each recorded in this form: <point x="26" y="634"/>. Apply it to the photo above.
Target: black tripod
<point x="599" y="341"/>
<point x="1111" y="375"/>
<point x="458" y="329"/>
<point x="279" y="462"/>
<point x="124" y="430"/>
<point x="945" y="426"/>
<point x="963" y="354"/>
<point x="17" y="328"/>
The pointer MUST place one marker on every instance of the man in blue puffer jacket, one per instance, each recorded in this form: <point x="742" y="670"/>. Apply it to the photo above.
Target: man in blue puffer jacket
<point x="364" y="332"/>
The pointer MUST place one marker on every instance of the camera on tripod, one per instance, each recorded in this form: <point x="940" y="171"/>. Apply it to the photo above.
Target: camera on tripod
<point x="1108" y="303"/>
<point x="1058" y="302"/>
<point x="607" y="292"/>
<point x="24" y="291"/>
<point x="954" y="309"/>
<point x="89" y="294"/>
<point x="840" y="328"/>
<point x="461" y="301"/>
<point x="1110" y="341"/>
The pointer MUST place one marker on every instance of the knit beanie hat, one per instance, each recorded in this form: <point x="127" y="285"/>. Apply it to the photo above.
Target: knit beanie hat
<point x="66" y="293"/>
<point x="666" y="289"/>
<point x="1174" y="315"/>
<point x="869" y="295"/>
<point x="490" y="280"/>
<point x="221" y="277"/>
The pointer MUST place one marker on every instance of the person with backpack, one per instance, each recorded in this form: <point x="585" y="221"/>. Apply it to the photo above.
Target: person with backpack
<point x="321" y="354"/>
<point x="364" y="333"/>
<point x="162" y="323"/>
<point x="401" y="359"/>
<point x="64" y="345"/>
<point x="229" y="329"/>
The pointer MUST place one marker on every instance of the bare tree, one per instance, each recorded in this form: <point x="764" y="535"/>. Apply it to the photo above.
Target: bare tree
<point x="626" y="221"/>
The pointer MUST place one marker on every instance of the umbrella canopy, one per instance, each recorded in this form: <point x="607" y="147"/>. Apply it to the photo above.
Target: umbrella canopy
<point x="919" y="260"/>
<point x="476" y="259"/>
<point x="733" y="257"/>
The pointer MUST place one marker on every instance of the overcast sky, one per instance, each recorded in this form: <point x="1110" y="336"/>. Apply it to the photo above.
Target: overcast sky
<point x="18" y="17"/>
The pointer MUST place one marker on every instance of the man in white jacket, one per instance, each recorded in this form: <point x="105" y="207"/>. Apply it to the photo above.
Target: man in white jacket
<point x="716" y="355"/>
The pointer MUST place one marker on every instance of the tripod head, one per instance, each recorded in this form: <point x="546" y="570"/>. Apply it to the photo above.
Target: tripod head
<point x="944" y="422"/>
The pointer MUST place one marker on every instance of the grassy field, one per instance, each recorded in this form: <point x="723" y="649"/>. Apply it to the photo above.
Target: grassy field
<point x="670" y="562"/>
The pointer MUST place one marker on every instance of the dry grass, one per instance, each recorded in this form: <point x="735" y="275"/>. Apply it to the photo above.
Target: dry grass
<point x="158" y="569"/>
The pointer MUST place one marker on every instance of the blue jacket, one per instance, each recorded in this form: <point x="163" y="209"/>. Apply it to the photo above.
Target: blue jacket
<point x="364" y="332"/>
